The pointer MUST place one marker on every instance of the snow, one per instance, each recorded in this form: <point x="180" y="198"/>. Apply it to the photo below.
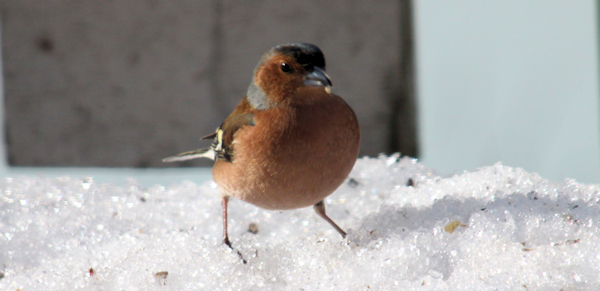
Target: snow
<point x="498" y="228"/>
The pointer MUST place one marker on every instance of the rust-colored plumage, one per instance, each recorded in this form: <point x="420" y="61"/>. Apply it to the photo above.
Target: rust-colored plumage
<point x="290" y="142"/>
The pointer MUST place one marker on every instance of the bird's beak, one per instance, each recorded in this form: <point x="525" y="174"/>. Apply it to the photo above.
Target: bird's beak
<point x="317" y="78"/>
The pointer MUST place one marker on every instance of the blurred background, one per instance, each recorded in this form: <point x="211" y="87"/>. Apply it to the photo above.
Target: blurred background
<point x="458" y="84"/>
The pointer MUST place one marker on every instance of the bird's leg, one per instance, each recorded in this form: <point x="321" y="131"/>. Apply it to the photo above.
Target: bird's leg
<point x="225" y="236"/>
<point x="320" y="210"/>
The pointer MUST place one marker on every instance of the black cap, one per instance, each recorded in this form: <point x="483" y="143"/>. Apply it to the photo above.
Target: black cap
<point x="306" y="54"/>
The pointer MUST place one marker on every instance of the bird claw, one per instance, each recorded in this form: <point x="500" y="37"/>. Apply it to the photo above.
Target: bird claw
<point x="228" y="243"/>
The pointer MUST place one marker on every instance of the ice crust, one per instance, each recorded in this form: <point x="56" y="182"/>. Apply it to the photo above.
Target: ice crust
<point x="514" y="231"/>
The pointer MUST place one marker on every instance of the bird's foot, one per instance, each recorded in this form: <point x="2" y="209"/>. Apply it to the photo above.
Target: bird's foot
<point x="228" y="243"/>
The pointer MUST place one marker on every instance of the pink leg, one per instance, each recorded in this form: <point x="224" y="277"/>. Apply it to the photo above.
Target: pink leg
<point x="225" y="236"/>
<point x="320" y="209"/>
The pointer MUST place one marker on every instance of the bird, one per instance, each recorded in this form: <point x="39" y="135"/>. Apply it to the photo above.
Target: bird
<point x="289" y="143"/>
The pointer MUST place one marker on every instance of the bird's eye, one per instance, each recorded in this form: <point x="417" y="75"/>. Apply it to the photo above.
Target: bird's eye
<point x="286" y="68"/>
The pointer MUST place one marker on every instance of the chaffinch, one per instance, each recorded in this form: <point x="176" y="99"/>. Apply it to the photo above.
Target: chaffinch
<point x="290" y="142"/>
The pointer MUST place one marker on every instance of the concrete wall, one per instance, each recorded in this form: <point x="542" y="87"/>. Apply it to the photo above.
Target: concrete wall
<point x="126" y="83"/>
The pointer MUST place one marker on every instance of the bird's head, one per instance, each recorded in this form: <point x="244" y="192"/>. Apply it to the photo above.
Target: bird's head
<point x="283" y="70"/>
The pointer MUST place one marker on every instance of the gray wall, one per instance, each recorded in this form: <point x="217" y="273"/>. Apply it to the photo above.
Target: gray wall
<point x="126" y="83"/>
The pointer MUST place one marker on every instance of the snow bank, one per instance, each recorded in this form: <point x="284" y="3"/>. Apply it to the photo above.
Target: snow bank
<point x="498" y="228"/>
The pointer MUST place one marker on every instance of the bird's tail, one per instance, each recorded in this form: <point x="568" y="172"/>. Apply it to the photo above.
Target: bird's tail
<point x="199" y="153"/>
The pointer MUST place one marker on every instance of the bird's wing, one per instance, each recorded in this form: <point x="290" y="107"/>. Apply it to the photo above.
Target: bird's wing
<point x="222" y="145"/>
<point x="223" y="142"/>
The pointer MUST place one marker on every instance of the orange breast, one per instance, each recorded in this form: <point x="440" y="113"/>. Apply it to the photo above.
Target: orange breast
<point x="294" y="156"/>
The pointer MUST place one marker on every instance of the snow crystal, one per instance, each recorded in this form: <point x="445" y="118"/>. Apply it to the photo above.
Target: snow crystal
<point x="498" y="228"/>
